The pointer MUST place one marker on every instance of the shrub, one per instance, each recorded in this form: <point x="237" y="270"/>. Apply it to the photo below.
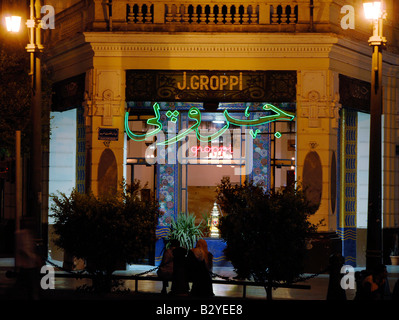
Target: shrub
<point x="105" y="230"/>
<point x="265" y="232"/>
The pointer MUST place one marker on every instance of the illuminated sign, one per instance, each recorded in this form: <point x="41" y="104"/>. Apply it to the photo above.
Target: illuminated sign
<point x="211" y="85"/>
<point x="213" y="82"/>
<point x="213" y="151"/>
<point x="195" y="115"/>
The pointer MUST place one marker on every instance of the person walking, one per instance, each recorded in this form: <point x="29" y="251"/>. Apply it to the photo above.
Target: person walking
<point x="165" y="269"/>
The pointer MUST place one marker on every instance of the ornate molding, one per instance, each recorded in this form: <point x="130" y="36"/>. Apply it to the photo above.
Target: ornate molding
<point x="318" y="98"/>
<point x="247" y="50"/>
<point x="188" y="44"/>
<point x="103" y="96"/>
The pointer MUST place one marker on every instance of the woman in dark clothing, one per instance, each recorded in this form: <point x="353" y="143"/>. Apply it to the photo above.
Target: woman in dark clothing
<point x="201" y="263"/>
<point x="165" y="270"/>
<point x="180" y="277"/>
<point x="335" y="290"/>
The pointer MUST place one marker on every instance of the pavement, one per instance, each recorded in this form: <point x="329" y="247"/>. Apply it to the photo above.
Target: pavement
<point x="68" y="288"/>
<point x="70" y="299"/>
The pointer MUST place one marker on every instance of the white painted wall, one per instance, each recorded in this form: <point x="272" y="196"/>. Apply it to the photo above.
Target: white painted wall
<point x="363" y="143"/>
<point x="62" y="170"/>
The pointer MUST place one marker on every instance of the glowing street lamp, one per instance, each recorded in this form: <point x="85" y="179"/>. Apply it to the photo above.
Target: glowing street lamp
<point x="34" y="48"/>
<point x="373" y="11"/>
<point x="13" y="23"/>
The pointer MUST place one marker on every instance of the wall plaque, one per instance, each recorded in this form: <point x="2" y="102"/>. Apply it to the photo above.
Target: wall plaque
<point x="108" y="134"/>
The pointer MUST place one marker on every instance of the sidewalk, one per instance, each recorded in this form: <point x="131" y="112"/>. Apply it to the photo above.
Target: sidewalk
<point x="65" y="288"/>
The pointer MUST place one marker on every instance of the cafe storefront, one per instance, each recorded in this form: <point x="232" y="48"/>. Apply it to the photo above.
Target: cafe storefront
<point x="181" y="111"/>
<point x="187" y="130"/>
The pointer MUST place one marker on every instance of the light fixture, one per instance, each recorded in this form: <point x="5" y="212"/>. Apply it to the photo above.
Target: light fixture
<point x="372" y="9"/>
<point x="13" y="23"/>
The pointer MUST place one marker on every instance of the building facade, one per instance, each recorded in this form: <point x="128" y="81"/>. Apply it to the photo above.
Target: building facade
<point x="277" y="92"/>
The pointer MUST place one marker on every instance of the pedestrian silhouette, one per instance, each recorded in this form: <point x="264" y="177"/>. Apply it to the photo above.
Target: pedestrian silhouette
<point x="180" y="284"/>
<point x="165" y="269"/>
<point x="335" y="290"/>
<point x="200" y="264"/>
<point x="372" y="285"/>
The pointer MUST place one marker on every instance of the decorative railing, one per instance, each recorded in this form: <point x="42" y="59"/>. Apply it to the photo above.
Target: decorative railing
<point x="225" y="13"/>
<point x="142" y="15"/>
<point x="213" y="16"/>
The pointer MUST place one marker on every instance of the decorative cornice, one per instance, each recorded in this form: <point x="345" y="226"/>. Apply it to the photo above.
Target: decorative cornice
<point x="202" y="45"/>
<point x="63" y="58"/>
<point x="156" y="50"/>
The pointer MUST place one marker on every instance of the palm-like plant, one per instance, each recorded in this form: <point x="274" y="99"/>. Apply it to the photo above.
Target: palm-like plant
<point x="184" y="229"/>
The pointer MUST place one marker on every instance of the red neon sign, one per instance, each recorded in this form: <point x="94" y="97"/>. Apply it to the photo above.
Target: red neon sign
<point x="213" y="152"/>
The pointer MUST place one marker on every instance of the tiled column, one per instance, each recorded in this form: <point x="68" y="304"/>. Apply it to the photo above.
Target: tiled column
<point x="104" y="115"/>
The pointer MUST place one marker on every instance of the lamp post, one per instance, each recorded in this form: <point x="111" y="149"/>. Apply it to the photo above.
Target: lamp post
<point x="34" y="48"/>
<point x="373" y="11"/>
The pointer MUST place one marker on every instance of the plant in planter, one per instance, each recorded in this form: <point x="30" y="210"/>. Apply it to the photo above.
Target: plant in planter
<point x="395" y="252"/>
<point x="105" y="231"/>
<point x="265" y="232"/>
<point x="184" y="229"/>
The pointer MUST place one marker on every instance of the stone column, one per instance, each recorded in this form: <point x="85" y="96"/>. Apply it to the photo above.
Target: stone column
<point x="317" y="131"/>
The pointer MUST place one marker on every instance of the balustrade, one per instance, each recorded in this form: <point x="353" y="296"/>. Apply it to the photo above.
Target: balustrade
<point x="224" y="13"/>
<point x="207" y="15"/>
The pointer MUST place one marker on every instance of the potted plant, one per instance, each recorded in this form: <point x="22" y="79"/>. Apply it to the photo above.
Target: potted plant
<point x="184" y="229"/>
<point x="395" y="252"/>
<point x="265" y="232"/>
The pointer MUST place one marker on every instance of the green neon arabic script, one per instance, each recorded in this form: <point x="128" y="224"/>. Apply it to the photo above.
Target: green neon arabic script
<point x="153" y="121"/>
<point x="195" y="114"/>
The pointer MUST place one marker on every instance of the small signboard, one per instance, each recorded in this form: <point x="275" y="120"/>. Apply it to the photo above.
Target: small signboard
<point x="108" y="134"/>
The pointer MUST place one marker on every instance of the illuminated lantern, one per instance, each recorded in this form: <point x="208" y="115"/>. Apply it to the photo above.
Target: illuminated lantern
<point x="372" y="9"/>
<point x="215" y="221"/>
<point x="13" y="23"/>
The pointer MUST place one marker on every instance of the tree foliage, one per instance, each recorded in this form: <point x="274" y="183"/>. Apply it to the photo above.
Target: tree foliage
<point x="105" y="230"/>
<point x="265" y="232"/>
<point x="15" y="95"/>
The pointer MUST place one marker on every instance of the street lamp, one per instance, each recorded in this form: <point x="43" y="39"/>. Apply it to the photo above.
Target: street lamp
<point x="13" y="23"/>
<point x="373" y="11"/>
<point x="34" y="48"/>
